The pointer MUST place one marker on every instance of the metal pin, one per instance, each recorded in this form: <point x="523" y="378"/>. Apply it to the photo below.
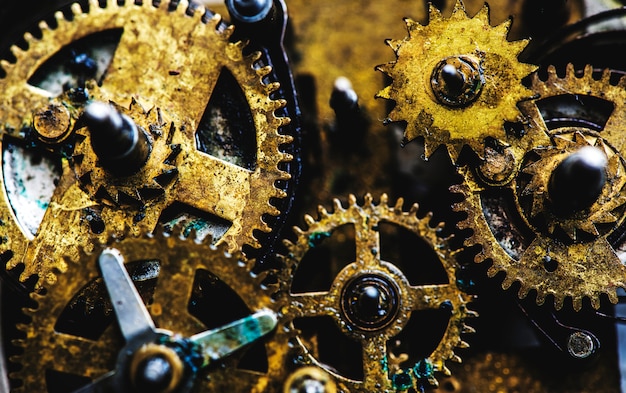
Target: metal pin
<point x="249" y="11"/>
<point x="577" y="182"/>
<point x="121" y="147"/>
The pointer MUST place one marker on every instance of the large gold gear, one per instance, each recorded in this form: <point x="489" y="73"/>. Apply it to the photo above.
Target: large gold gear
<point x="80" y="293"/>
<point x="520" y="229"/>
<point x="184" y="58"/>
<point x="456" y="81"/>
<point x="381" y="368"/>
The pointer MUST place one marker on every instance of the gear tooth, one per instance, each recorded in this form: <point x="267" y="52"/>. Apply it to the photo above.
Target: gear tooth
<point x="493" y="270"/>
<point x="264" y="71"/>
<point x="588" y="71"/>
<point x="384" y="199"/>
<point x="368" y="199"/>
<point x="410" y="25"/>
<point x="76" y="10"/>
<point x="434" y="14"/>
<point x="612" y="295"/>
<point x="385" y="93"/>
<point x="321" y="210"/>
<point x="463" y="345"/>
<point x="456" y="359"/>
<point x="459" y="13"/>
<point x="310" y="221"/>
<point x="595" y="302"/>
<point x="43" y="26"/>
<point x="385" y="68"/>
<point x="272" y="87"/>
<point x="415" y="208"/>
<point x="337" y="205"/>
<point x="288" y="243"/>
<point x="551" y="73"/>
<point x="352" y="200"/>
<point x="483" y="15"/>
<point x="6" y="66"/>
<point x="523" y="292"/>
<point x="228" y="31"/>
<point x="559" y="299"/>
<point x="298" y="231"/>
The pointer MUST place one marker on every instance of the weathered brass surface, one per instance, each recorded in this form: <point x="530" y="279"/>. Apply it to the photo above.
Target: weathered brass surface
<point x="46" y="347"/>
<point x="380" y="367"/>
<point x="418" y="56"/>
<point x="169" y="73"/>
<point x="587" y="260"/>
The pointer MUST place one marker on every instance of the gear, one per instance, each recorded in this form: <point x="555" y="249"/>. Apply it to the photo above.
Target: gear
<point x="456" y="81"/>
<point x="73" y="332"/>
<point x="557" y="228"/>
<point x="370" y="281"/>
<point x="174" y="79"/>
<point x="150" y="182"/>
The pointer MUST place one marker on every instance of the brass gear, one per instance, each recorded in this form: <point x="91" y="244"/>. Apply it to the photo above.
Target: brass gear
<point x="53" y="345"/>
<point x="456" y="81"/>
<point x="381" y="373"/>
<point x="183" y="73"/>
<point x="143" y="188"/>
<point x="522" y="231"/>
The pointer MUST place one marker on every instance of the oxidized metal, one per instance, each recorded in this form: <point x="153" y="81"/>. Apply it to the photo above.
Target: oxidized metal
<point x="479" y="116"/>
<point x="174" y="262"/>
<point x="162" y="78"/>
<point x="575" y="255"/>
<point x="370" y="271"/>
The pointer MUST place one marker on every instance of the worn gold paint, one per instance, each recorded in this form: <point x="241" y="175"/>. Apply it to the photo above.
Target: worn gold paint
<point x="366" y="219"/>
<point x="179" y="259"/>
<point x="171" y="70"/>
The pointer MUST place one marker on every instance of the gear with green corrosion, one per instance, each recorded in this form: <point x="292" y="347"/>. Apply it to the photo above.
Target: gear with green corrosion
<point x="372" y="301"/>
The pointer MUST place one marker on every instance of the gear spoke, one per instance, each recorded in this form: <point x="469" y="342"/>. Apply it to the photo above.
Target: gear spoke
<point x="367" y="244"/>
<point x="219" y="191"/>
<point x="429" y="297"/>
<point x="165" y="67"/>
<point x="164" y="304"/>
<point x="312" y="304"/>
<point x="85" y="364"/>
<point x="374" y="364"/>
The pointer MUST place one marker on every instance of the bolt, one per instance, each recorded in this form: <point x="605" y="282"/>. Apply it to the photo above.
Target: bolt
<point x="351" y="123"/>
<point x="249" y="11"/>
<point x="578" y="180"/>
<point x="457" y="80"/>
<point x="120" y="146"/>
<point x="581" y="345"/>
<point x="52" y="123"/>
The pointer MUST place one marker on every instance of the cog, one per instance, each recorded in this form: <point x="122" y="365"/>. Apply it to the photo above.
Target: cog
<point x="456" y="81"/>
<point x="73" y="330"/>
<point x="150" y="182"/>
<point x="396" y="299"/>
<point x="174" y="79"/>
<point x="534" y="231"/>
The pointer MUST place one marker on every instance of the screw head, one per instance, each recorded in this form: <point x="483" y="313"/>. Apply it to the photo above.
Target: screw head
<point x="581" y="345"/>
<point x="249" y="11"/>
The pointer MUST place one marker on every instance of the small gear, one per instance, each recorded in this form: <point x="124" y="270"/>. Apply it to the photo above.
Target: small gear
<point x="396" y="299"/>
<point x="175" y="80"/>
<point x="143" y="187"/>
<point x="558" y="227"/>
<point x="73" y="332"/>
<point x="456" y="81"/>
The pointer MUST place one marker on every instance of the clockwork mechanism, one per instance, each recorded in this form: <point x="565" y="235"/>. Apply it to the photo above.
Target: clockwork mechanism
<point x="133" y="140"/>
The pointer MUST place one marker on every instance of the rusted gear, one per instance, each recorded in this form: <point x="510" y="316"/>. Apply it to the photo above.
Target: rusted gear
<point x="456" y="81"/>
<point x="73" y="330"/>
<point x="547" y="234"/>
<point x="398" y="299"/>
<point x="172" y="72"/>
